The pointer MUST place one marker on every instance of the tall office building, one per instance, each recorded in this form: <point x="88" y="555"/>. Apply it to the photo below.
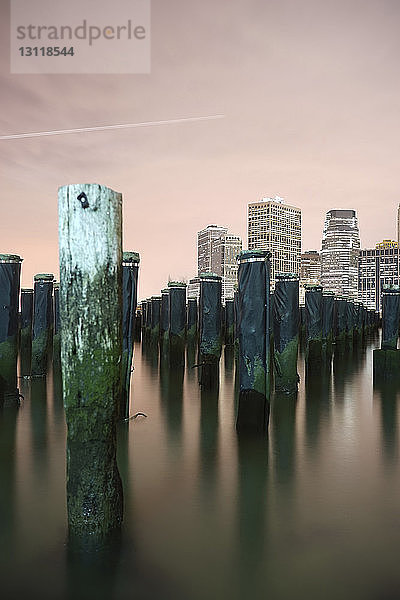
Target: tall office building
<point x="377" y="267"/>
<point x="339" y="253"/>
<point x="276" y="226"/>
<point x="224" y="263"/>
<point x="205" y="237"/>
<point x="310" y="271"/>
<point x="216" y="253"/>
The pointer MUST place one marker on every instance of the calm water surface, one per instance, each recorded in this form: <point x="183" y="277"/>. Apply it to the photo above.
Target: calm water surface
<point x="311" y="511"/>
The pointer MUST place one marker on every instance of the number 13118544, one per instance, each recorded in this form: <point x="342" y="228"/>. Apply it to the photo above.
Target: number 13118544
<point x="46" y="51"/>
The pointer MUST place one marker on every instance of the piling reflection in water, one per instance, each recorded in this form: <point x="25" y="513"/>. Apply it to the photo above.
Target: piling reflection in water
<point x="252" y="506"/>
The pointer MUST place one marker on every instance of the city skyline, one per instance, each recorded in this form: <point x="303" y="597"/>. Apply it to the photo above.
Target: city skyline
<point x="317" y="248"/>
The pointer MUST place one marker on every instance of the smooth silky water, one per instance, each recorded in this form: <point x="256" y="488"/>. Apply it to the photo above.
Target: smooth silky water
<point x="310" y="511"/>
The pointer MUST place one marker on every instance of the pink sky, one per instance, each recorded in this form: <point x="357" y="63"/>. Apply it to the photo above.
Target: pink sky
<point x="311" y="94"/>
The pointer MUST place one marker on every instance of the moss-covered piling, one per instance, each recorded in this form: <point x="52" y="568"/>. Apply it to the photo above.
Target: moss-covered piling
<point x="90" y="241"/>
<point x="177" y="322"/>
<point x="56" y="326"/>
<point x="313" y="314"/>
<point x="42" y="322"/>
<point x="10" y="273"/>
<point x="387" y="359"/>
<point x="229" y="322"/>
<point x="253" y="332"/>
<point x="286" y="332"/>
<point x="328" y="307"/>
<point x="210" y="335"/>
<point x="164" y="321"/>
<point x="130" y="268"/>
<point x="26" y="318"/>
<point x="192" y="318"/>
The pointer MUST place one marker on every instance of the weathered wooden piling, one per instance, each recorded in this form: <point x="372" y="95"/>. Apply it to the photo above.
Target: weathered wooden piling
<point x="56" y="325"/>
<point x="210" y="339"/>
<point x="387" y="359"/>
<point x="148" y="318"/>
<point x="143" y="306"/>
<point x="340" y="320"/>
<point x="155" y="320"/>
<point x="164" y="320"/>
<point x="286" y="332"/>
<point x="313" y="315"/>
<point x="328" y="307"/>
<point x="26" y="317"/>
<point x="349" y="323"/>
<point x="137" y="330"/>
<point x="177" y="322"/>
<point x="236" y="321"/>
<point x="42" y="322"/>
<point x="130" y="268"/>
<point x="191" y="318"/>
<point x="10" y="273"/>
<point x="357" y="322"/>
<point x="229" y="322"/>
<point x="90" y="241"/>
<point x="253" y="331"/>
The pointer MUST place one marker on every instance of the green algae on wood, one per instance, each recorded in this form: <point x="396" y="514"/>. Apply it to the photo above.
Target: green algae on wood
<point x="90" y="241"/>
<point x="10" y="271"/>
<point x="177" y="322"/>
<point x="210" y="335"/>
<point x="42" y="322"/>
<point x="286" y="332"/>
<point x="253" y="334"/>
<point x="130" y="267"/>
<point x="192" y="318"/>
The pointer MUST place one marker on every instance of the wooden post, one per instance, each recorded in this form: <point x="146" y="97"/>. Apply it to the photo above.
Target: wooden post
<point x="286" y="332"/>
<point x="10" y="270"/>
<point x="90" y="242"/>
<point x="26" y="317"/>
<point x="254" y="346"/>
<point x="130" y="267"/>
<point x="42" y="322"/>
<point x="57" y="328"/>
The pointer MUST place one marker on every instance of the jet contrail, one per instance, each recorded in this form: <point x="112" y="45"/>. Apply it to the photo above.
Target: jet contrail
<point x="17" y="136"/>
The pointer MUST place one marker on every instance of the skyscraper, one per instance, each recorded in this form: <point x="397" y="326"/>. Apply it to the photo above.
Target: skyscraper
<point x="339" y="253"/>
<point x="216" y="253"/>
<point x="377" y="267"/>
<point x="276" y="226"/>
<point x="224" y="252"/>
<point x="310" y="271"/>
<point x="205" y="238"/>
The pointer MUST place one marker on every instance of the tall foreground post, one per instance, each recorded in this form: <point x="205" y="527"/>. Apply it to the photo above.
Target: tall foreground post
<point x="253" y="332"/>
<point x="10" y="272"/>
<point x="90" y="241"/>
<point x="42" y="322"/>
